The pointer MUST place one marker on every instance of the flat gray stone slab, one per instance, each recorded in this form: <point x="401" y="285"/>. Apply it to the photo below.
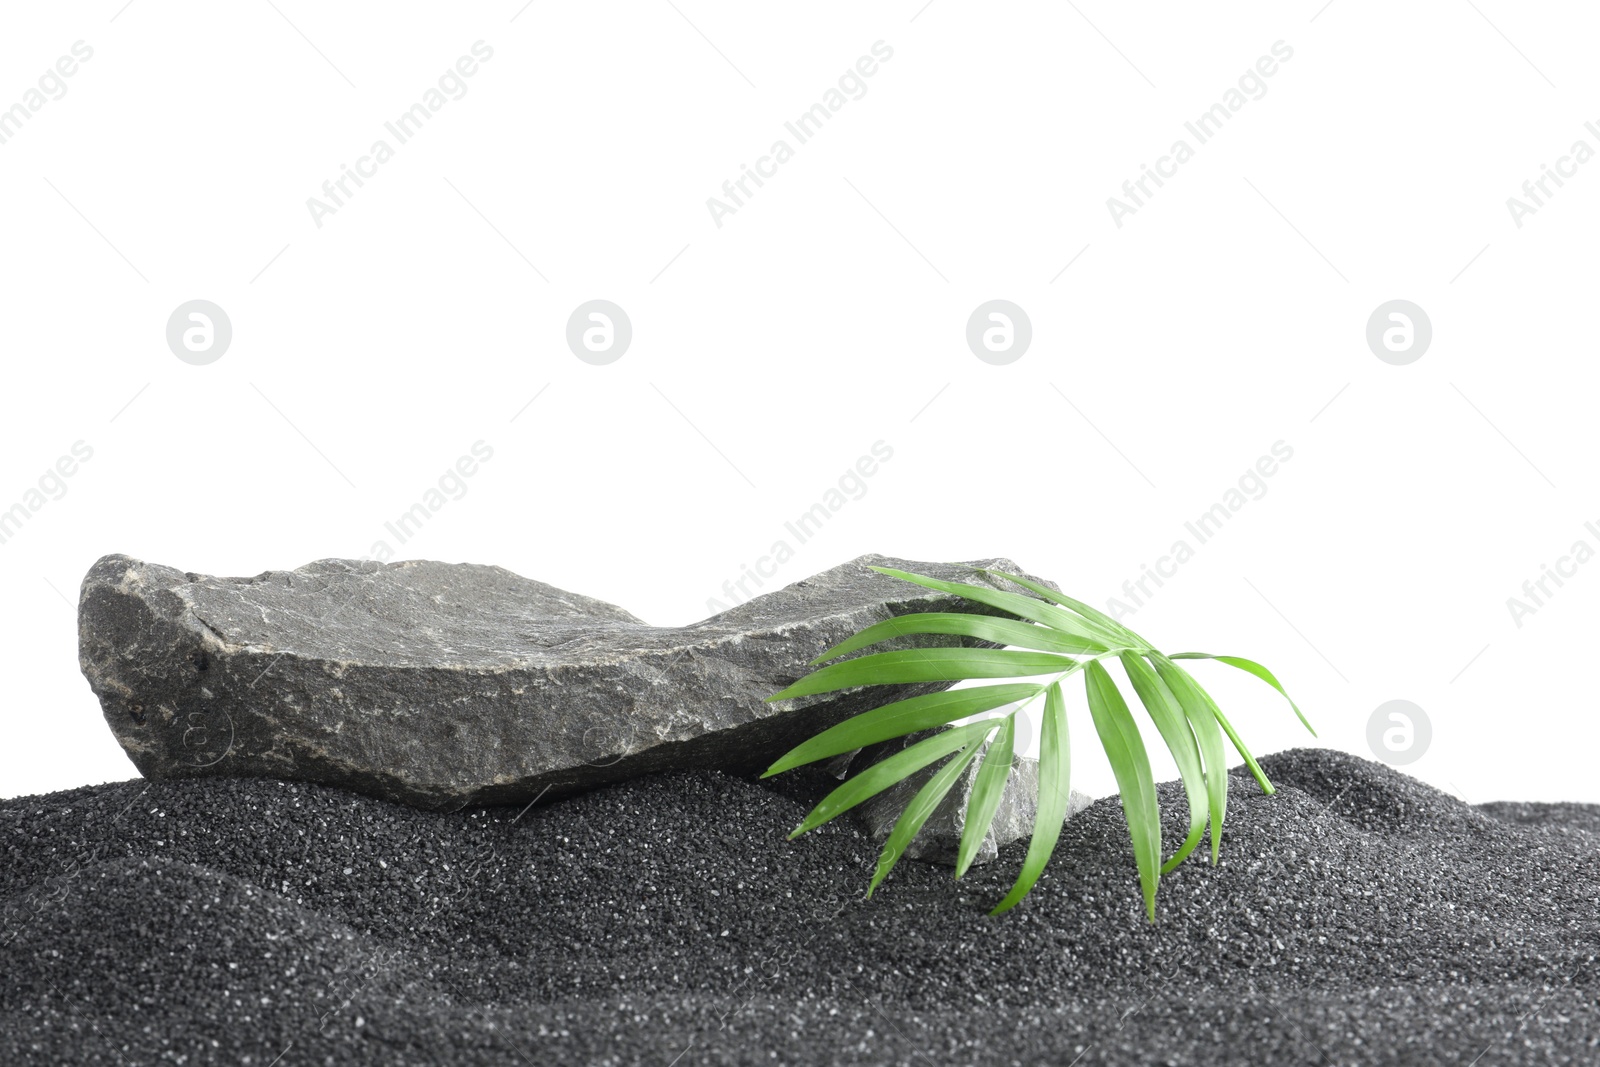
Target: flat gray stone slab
<point x="443" y="685"/>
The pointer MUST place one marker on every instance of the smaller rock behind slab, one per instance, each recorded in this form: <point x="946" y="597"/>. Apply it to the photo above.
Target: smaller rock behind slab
<point x="939" y="840"/>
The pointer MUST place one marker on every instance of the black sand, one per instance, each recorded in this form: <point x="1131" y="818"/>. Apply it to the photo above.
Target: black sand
<point x="1358" y="917"/>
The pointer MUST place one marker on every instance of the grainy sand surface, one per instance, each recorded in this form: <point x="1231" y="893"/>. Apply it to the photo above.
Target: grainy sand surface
<point x="1358" y="917"/>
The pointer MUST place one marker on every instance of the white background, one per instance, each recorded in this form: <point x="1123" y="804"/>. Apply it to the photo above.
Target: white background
<point x="828" y="313"/>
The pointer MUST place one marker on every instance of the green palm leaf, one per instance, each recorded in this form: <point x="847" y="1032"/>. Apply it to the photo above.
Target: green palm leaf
<point x="1176" y="732"/>
<point x="1113" y="631"/>
<point x="1252" y="667"/>
<point x="901" y="718"/>
<point x="1049" y="636"/>
<point x="916" y="813"/>
<point x="1023" y="606"/>
<point x="1227" y="728"/>
<point x="1238" y="743"/>
<point x="1119" y="736"/>
<point x="984" y="627"/>
<point x="926" y="665"/>
<point x="1055" y="790"/>
<point x="880" y="776"/>
<point x="1197" y="709"/>
<point x="986" y="792"/>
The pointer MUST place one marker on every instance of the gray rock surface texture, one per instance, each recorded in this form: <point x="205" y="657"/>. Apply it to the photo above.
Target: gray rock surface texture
<point x="445" y="685"/>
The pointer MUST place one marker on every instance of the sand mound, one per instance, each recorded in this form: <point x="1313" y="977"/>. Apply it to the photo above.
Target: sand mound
<point x="1357" y="916"/>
